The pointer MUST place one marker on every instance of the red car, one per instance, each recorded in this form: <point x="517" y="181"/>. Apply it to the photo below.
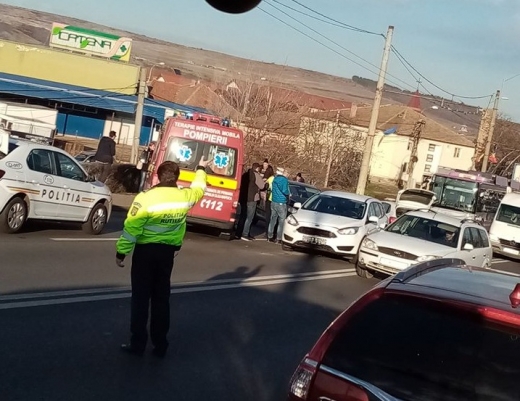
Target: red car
<point x="438" y="331"/>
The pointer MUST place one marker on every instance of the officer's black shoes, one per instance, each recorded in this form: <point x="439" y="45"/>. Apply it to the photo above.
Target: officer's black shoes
<point x="131" y="350"/>
<point x="159" y="352"/>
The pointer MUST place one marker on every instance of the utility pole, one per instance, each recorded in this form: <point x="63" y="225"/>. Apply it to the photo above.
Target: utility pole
<point x="489" y="139"/>
<point x="138" y="116"/>
<point x="416" y="137"/>
<point x="365" y="164"/>
<point x="480" y="143"/>
<point x="331" y="150"/>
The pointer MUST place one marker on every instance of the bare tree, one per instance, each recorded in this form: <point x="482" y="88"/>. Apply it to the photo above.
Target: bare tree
<point x="506" y="145"/>
<point x="332" y="149"/>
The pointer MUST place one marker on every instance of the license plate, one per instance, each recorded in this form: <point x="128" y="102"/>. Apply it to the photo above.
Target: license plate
<point x="314" y="240"/>
<point x="511" y="251"/>
<point x="392" y="263"/>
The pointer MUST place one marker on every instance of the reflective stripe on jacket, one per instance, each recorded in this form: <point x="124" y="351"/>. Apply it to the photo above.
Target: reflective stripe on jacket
<point x="159" y="215"/>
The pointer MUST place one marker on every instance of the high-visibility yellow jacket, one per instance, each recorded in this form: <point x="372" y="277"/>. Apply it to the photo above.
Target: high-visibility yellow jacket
<point x="158" y="215"/>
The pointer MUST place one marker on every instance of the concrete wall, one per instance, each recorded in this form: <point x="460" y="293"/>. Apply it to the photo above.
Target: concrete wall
<point x="60" y="66"/>
<point x="391" y="152"/>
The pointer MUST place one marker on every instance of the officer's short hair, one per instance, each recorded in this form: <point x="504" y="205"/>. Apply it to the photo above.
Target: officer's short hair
<point x="168" y="172"/>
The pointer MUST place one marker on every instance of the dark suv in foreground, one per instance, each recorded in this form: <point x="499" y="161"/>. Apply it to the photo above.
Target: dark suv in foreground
<point x="438" y="331"/>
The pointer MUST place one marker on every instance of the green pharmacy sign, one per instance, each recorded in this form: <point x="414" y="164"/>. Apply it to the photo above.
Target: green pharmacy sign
<point x="91" y="42"/>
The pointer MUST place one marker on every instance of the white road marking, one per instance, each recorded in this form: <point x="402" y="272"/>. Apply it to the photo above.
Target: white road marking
<point x="506" y="272"/>
<point x="497" y="261"/>
<point x="80" y="296"/>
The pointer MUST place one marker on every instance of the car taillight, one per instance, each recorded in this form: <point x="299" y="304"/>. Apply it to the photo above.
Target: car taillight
<point x="2" y="173"/>
<point x="302" y="378"/>
<point x="392" y="219"/>
<point x="500" y="316"/>
<point x="235" y="204"/>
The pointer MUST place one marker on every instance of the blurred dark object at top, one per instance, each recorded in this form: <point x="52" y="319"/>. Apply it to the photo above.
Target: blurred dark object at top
<point x="233" y="6"/>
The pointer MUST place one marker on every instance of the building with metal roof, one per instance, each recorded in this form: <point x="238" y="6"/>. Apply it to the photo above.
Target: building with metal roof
<point x="88" y="112"/>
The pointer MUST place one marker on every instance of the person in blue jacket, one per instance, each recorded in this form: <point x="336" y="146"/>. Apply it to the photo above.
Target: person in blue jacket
<point x="280" y="194"/>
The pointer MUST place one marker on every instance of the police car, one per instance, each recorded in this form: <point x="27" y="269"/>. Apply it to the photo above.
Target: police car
<point x="45" y="183"/>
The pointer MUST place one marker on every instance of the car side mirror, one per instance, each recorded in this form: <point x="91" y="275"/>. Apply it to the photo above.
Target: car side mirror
<point x="373" y="219"/>
<point x="90" y="178"/>
<point x="468" y="247"/>
<point x="297" y="205"/>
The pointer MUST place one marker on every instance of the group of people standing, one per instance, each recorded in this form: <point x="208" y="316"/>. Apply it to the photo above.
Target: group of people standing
<point x="263" y="182"/>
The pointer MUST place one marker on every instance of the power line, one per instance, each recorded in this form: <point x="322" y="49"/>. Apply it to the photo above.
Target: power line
<point x="336" y="21"/>
<point x="327" y="21"/>
<point x="395" y="51"/>
<point x="393" y="48"/>
<point x="332" y="41"/>
<point x="403" y="62"/>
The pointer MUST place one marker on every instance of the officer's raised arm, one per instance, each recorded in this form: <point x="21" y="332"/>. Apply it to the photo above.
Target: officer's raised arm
<point x="198" y="187"/>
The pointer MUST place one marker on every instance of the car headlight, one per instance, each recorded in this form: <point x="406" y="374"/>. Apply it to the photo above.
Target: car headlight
<point x="368" y="243"/>
<point x="426" y="258"/>
<point x="292" y="220"/>
<point x="493" y="237"/>
<point x="348" y="231"/>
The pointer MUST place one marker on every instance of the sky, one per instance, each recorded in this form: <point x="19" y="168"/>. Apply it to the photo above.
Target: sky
<point x="462" y="48"/>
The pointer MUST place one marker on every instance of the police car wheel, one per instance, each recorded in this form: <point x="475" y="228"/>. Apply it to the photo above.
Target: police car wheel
<point x="13" y="217"/>
<point x="97" y="220"/>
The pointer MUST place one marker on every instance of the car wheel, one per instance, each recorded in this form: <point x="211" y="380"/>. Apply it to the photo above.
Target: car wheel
<point x="362" y="272"/>
<point x="228" y="235"/>
<point x="97" y="220"/>
<point x="286" y="247"/>
<point x="14" y="216"/>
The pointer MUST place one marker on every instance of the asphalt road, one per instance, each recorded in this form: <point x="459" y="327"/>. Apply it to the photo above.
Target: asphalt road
<point x="243" y="315"/>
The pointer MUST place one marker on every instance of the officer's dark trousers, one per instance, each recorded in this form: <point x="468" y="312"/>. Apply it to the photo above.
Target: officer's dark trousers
<point x="152" y="266"/>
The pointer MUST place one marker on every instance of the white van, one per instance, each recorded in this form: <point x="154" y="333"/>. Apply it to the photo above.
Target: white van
<point x="505" y="229"/>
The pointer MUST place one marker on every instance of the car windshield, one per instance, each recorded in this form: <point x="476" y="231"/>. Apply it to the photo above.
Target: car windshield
<point x="426" y="229"/>
<point x="455" y="194"/>
<point x="301" y="193"/>
<point x="82" y="157"/>
<point x="337" y="206"/>
<point x="509" y="214"/>
<point x="187" y="153"/>
<point x="416" y="196"/>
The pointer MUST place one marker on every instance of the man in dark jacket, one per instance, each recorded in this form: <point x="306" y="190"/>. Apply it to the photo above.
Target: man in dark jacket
<point x="105" y="154"/>
<point x="250" y="186"/>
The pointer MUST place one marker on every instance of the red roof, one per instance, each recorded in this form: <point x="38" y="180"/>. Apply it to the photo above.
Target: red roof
<point x="302" y="99"/>
<point x="170" y="77"/>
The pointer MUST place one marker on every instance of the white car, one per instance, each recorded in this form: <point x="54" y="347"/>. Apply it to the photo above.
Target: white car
<point x="504" y="232"/>
<point x="334" y="222"/>
<point x="43" y="182"/>
<point x="421" y="236"/>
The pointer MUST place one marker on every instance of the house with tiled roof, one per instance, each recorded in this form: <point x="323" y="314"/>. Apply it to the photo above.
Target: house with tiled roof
<point x="438" y="145"/>
<point x="237" y="92"/>
<point x="197" y="95"/>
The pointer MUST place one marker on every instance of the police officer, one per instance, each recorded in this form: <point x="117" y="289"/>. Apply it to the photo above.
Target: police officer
<point x="154" y="229"/>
